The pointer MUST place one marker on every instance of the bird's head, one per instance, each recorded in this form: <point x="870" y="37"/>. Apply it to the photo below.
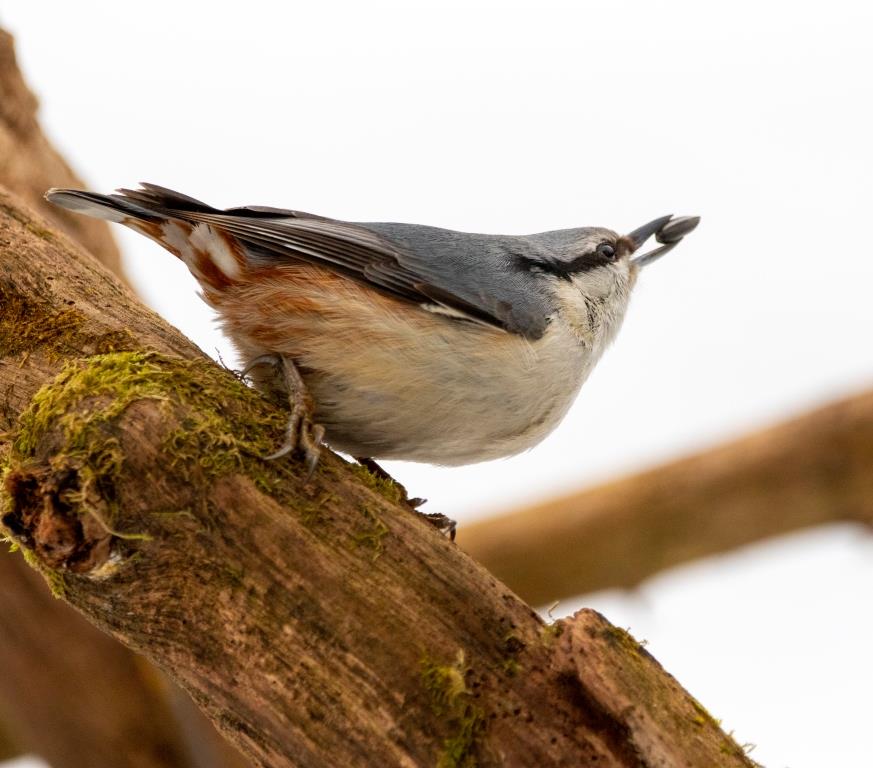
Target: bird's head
<point x="575" y="252"/>
<point x="590" y="271"/>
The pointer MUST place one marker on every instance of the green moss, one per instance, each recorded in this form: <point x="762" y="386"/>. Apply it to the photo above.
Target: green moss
<point x="458" y="750"/>
<point x="107" y="384"/>
<point x="511" y="667"/>
<point x="312" y="512"/>
<point x="551" y="632"/>
<point x="175" y="514"/>
<point x="513" y="645"/>
<point x="623" y="638"/>
<point x="384" y="486"/>
<point x="445" y="682"/>
<point x="23" y="327"/>
<point x="702" y="716"/>
<point x="450" y="700"/>
<point x="730" y="747"/>
<point x="215" y="425"/>
<point x="374" y="531"/>
<point x="234" y="575"/>
<point x="55" y="579"/>
<point x="226" y="428"/>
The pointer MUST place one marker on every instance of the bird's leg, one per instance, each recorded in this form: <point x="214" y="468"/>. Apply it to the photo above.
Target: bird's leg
<point x="301" y="433"/>
<point x="442" y="523"/>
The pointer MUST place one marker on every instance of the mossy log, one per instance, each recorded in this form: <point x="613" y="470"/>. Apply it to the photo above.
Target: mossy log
<point x="127" y="713"/>
<point x="316" y="623"/>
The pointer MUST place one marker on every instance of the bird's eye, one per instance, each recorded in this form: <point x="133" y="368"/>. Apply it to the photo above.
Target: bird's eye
<point x="606" y="251"/>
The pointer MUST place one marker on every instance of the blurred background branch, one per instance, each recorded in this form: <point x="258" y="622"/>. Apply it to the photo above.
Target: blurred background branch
<point x="29" y="164"/>
<point x="812" y="470"/>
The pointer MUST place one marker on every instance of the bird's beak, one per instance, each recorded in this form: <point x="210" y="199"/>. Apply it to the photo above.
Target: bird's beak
<point x="667" y="230"/>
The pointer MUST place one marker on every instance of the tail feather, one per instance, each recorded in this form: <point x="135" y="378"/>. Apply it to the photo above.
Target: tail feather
<point x="214" y="256"/>
<point x="116" y="208"/>
<point x="161" y="198"/>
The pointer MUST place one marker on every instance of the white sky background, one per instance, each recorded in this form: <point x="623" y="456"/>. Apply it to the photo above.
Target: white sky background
<point x="518" y="117"/>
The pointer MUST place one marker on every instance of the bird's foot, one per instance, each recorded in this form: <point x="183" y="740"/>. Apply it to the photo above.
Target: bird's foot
<point x="302" y="433"/>
<point x="442" y="523"/>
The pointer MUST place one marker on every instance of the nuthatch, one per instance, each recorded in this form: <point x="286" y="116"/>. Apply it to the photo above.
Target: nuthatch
<point x="399" y="341"/>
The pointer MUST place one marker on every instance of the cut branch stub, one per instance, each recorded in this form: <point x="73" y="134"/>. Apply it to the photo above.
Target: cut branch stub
<point x="65" y="510"/>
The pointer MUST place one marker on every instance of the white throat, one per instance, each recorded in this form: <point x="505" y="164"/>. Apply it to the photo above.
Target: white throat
<point x="593" y="304"/>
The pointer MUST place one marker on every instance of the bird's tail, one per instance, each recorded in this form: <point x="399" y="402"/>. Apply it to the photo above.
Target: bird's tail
<point x="109" y="207"/>
<point x="151" y="203"/>
<point x="213" y="256"/>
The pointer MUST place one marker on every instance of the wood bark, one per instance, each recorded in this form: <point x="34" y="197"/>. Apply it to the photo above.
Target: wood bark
<point x="49" y="700"/>
<point x="317" y="623"/>
<point x="811" y="470"/>
<point x="56" y="663"/>
<point x="79" y="699"/>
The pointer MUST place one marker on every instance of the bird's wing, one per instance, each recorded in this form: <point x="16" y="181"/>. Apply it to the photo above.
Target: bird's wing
<point x="468" y="276"/>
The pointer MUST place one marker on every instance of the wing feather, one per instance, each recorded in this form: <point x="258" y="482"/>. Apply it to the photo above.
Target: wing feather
<point x="472" y="276"/>
<point x="348" y="246"/>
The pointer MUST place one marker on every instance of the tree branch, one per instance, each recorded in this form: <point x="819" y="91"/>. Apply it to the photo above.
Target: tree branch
<point x="132" y="714"/>
<point x="811" y="470"/>
<point x="316" y="623"/>
<point x="53" y="687"/>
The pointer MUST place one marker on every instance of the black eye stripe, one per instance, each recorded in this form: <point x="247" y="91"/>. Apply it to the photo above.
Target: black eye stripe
<point x="605" y="253"/>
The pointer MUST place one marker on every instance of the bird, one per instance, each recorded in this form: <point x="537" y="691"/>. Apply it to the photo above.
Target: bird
<point x="400" y="341"/>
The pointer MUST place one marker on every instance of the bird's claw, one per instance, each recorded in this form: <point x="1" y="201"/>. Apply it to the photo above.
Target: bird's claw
<point x="271" y="358"/>
<point x="301" y="433"/>
<point x="444" y="524"/>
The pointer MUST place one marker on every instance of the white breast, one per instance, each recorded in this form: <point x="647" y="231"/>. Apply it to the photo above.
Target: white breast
<point x="417" y="386"/>
<point x="464" y="395"/>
